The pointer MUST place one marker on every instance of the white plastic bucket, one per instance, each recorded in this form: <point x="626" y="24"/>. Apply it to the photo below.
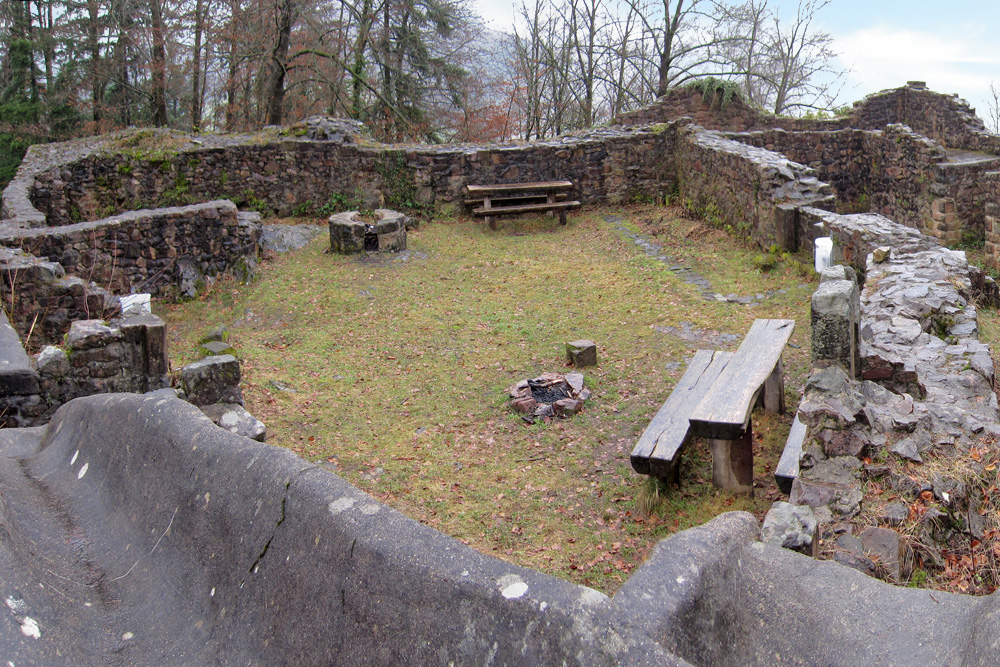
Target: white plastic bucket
<point x="135" y="304"/>
<point x="824" y="253"/>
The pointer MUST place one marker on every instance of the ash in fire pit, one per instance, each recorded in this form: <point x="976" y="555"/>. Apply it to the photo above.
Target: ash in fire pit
<point x="548" y="395"/>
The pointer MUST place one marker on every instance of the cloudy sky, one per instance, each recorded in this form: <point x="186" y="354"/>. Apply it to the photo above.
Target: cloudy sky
<point x="886" y="43"/>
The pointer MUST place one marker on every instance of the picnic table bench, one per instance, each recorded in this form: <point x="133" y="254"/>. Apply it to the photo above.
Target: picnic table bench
<point x="714" y="400"/>
<point x="547" y="197"/>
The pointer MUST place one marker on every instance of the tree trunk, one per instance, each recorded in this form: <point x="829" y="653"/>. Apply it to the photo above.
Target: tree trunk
<point x="94" y="47"/>
<point x="358" y="68"/>
<point x="671" y="25"/>
<point x="196" y="92"/>
<point x="279" y="58"/>
<point x="232" y="69"/>
<point x="159" y="65"/>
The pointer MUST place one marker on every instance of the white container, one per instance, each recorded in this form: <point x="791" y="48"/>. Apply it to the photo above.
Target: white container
<point x="135" y="304"/>
<point x="824" y="253"/>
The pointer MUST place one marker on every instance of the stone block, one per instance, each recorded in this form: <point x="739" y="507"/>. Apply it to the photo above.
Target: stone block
<point x="581" y="353"/>
<point x="235" y="419"/>
<point x="17" y="377"/>
<point x="147" y="334"/>
<point x="52" y="362"/>
<point x="885" y="547"/>
<point x="213" y="380"/>
<point x="85" y="334"/>
<point x="836" y="315"/>
<point x="838" y="272"/>
<point x="943" y="206"/>
<point x="793" y="527"/>
<point x="567" y="407"/>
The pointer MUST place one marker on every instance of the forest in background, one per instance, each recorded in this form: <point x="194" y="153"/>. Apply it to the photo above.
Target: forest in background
<point x="411" y="70"/>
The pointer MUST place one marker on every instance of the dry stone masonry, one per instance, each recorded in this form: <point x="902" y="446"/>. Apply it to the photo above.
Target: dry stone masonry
<point x="924" y="391"/>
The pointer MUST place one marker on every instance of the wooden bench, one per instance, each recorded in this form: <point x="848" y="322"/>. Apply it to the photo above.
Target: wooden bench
<point x="716" y="398"/>
<point x="788" y="465"/>
<point x="519" y="198"/>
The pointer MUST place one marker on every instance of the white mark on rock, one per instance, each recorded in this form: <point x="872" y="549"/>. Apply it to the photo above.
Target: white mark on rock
<point x="83" y="471"/>
<point x="680" y="580"/>
<point x="543" y="606"/>
<point x="370" y="508"/>
<point x="212" y="594"/>
<point x="465" y="573"/>
<point x="127" y="636"/>
<point x="341" y="504"/>
<point x="16" y="606"/>
<point x="29" y="628"/>
<point x="87" y="604"/>
<point x="72" y="461"/>
<point x="514" y="590"/>
<point x="229" y="420"/>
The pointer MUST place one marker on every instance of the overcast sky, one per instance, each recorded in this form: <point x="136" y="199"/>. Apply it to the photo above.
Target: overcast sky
<point x="951" y="45"/>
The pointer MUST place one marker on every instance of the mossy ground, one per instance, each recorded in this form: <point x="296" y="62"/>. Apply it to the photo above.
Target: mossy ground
<point x="393" y="374"/>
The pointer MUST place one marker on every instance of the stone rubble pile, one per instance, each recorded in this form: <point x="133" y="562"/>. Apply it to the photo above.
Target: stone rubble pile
<point x="923" y="389"/>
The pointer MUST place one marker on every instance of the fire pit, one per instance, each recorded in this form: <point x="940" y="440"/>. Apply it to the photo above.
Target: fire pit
<point x="549" y="395"/>
<point x="383" y="230"/>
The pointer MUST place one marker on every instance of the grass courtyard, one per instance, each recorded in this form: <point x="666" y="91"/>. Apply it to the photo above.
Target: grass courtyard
<point x="393" y="373"/>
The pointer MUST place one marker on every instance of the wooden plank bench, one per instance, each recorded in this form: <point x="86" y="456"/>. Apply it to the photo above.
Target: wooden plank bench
<point x="518" y="198"/>
<point x="788" y="465"/>
<point x="659" y="450"/>
<point x="717" y="405"/>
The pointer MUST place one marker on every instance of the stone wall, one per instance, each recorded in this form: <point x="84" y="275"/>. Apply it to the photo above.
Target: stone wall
<point x="888" y="171"/>
<point x="148" y="250"/>
<point x="283" y="176"/>
<point x="41" y="301"/>
<point x="947" y="119"/>
<point x="747" y="189"/>
<point x="893" y="171"/>
<point x="709" y="112"/>
<point x="98" y="357"/>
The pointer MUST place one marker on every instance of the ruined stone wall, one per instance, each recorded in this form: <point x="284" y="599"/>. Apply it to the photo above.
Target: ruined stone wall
<point x="836" y="156"/>
<point x="944" y="118"/>
<point x="733" y="116"/>
<point x="744" y="188"/>
<point x="99" y="357"/>
<point x="286" y="176"/>
<point x="41" y="301"/>
<point x="96" y="357"/>
<point x="888" y="171"/>
<point x="903" y="168"/>
<point x="970" y="185"/>
<point x="146" y="251"/>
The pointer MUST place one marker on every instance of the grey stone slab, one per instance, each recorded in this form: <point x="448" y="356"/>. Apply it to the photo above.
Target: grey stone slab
<point x="17" y="377"/>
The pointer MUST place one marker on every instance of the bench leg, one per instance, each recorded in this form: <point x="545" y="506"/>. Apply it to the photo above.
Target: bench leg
<point x="492" y="222"/>
<point x="732" y="463"/>
<point x="774" y="391"/>
<point x="562" y="216"/>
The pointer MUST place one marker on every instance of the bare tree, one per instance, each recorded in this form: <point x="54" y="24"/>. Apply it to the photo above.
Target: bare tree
<point x="797" y="71"/>
<point x="993" y="108"/>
